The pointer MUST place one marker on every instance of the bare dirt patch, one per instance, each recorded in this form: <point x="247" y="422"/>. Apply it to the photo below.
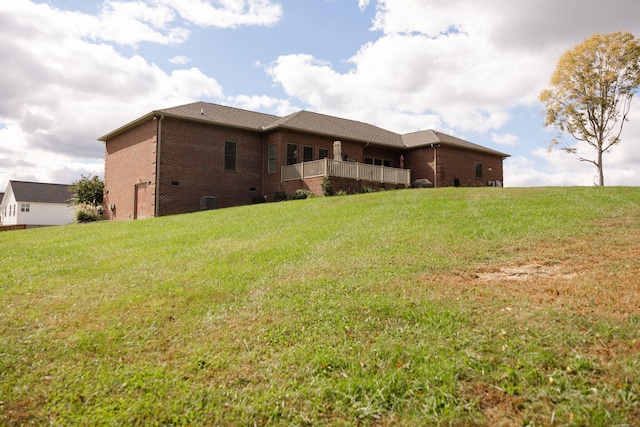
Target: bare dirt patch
<point x="526" y="272"/>
<point x="596" y="274"/>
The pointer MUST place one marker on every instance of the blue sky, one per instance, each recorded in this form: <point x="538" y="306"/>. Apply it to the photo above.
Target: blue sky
<point x="73" y="70"/>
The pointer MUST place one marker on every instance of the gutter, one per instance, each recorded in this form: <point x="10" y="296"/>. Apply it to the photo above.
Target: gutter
<point x="435" y="164"/>
<point x="158" y="146"/>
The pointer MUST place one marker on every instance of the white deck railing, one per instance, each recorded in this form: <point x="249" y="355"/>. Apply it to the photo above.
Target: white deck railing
<point x="337" y="168"/>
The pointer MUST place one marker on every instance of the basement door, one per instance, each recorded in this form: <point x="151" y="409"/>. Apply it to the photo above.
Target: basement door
<point x="143" y="207"/>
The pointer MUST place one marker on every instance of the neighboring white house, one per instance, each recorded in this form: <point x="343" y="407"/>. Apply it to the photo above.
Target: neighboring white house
<point x="36" y="204"/>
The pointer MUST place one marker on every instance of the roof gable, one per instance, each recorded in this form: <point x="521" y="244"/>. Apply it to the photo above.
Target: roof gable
<point x="38" y="192"/>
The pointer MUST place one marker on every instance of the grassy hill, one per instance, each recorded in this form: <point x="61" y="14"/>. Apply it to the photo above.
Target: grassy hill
<point x="441" y="306"/>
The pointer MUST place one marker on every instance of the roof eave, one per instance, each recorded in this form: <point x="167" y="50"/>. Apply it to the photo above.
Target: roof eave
<point x="479" y="149"/>
<point x="122" y="129"/>
<point x="160" y="113"/>
<point x="331" y="135"/>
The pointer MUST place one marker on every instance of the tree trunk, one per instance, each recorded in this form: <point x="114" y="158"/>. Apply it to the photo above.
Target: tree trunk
<point x="600" y="168"/>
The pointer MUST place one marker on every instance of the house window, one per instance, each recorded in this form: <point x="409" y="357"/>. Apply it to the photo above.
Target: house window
<point x="307" y="153"/>
<point x="230" y="148"/>
<point x="377" y="162"/>
<point x="292" y="154"/>
<point x="24" y="207"/>
<point x="271" y="153"/>
<point x="478" y="169"/>
<point x="323" y="153"/>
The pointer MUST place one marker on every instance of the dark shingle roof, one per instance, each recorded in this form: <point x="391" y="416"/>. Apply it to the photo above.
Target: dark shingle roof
<point x="221" y="114"/>
<point x="204" y="112"/>
<point x="39" y="192"/>
<point x="337" y="127"/>
<point x="304" y="121"/>
<point x="428" y="137"/>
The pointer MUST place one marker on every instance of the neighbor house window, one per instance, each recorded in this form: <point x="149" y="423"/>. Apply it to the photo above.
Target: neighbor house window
<point x="323" y="153"/>
<point x="24" y="207"/>
<point x="271" y="153"/>
<point x="307" y="153"/>
<point x="478" y="170"/>
<point x="230" y="148"/>
<point x="292" y="154"/>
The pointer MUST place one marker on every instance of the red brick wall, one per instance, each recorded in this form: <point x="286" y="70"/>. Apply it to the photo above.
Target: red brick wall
<point x="453" y="163"/>
<point x="420" y="161"/>
<point x="382" y="153"/>
<point x="130" y="158"/>
<point x="192" y="166"/>
<point x="282" y="137"/>
<point x="272" y="180"/>
<point x="347" y="185"/>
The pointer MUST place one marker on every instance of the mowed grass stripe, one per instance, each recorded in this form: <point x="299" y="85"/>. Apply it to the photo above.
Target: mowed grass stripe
<point x="442" y="306"/>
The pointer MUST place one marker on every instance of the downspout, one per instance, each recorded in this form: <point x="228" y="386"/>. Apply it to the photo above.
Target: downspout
<point x="263" y="183"/>
<point x="158" y="145"/>
<point x="435" y="164"/>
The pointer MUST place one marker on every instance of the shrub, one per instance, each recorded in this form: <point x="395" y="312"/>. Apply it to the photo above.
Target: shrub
<point x="367" y="189"/>
<point x="301" y="194"/>
<point x="327" y="187"/>
<point x="86" y="212"/>
<point x="280" y="196"/>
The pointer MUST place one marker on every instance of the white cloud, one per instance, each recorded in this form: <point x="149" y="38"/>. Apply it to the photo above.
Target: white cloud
<point x="135" y="22"/>
<point x="63" y="91"/>
<point x="180" y="59"/>
<point x="227" y="13"/>
<point x="263" y="103"/>
<point x="556" y="167"/>
<point x="64" y="83"/>
<point x="504" y="139"/>
<point x="362" y="4"/>
<point x="459" y="65"/>
<point x="558" y="170"/>
<point x="456" y="78"/>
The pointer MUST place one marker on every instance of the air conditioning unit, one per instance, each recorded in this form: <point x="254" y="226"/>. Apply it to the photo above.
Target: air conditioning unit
<point x="208" y="202"/>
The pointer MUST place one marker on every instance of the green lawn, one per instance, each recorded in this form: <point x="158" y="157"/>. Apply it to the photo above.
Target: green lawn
<point x="464" y="306"/>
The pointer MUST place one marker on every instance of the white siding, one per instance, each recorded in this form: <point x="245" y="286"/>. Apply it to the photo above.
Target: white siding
<point x="39" y="213"/>
<point x="8" y="218"/>
<point x="46" y="214"/>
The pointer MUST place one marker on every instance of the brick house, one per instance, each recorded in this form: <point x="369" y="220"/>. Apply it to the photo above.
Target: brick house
<point x="203" y="155"/>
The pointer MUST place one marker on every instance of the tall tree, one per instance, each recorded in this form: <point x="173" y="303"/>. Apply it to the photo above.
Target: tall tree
<point x="590" y="93"/>
<point x="87" y="190"/>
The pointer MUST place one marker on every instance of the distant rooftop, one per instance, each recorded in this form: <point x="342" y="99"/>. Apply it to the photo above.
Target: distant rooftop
<point x="39" y="192"/>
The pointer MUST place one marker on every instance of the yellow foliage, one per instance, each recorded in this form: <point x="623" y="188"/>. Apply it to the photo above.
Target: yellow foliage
<point x="591" y="90"/>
